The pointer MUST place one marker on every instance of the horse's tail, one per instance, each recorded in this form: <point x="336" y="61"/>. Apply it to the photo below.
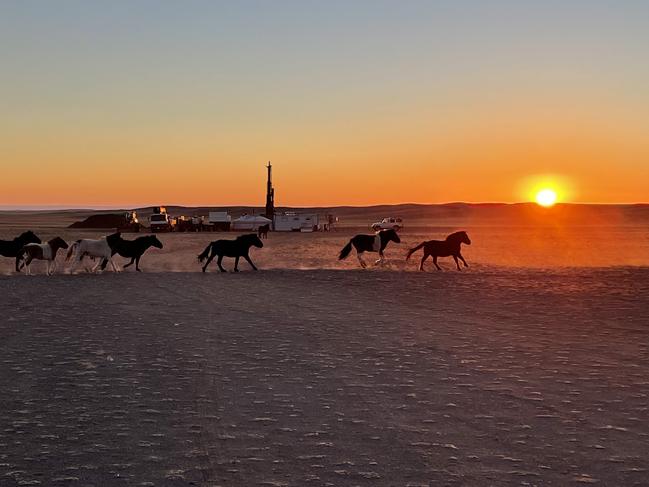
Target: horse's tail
<point x="205" y="253"/>
<point x="414" y="249"/>
<point x="347" y="249"/>
<point x="72" y="248"/>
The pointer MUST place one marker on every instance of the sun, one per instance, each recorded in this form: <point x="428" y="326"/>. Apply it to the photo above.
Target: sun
<point x="546" y="197"/>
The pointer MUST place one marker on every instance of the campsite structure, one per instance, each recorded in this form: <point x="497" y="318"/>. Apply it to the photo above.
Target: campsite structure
<point x="291" y="221"/>
<point x="250" y="222"/>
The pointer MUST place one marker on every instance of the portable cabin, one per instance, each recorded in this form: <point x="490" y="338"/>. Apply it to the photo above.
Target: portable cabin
<point x="219" y="221"/>
<point x="296" y="222"/>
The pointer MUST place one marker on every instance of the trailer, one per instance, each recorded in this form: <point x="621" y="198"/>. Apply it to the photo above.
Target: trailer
<point x="296" y="222"/>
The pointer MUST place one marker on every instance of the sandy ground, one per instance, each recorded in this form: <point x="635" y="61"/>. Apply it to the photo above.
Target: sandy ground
<point x="504" y="376"/>
<point x="493" y="247"/>
<point x="529" y="368"/>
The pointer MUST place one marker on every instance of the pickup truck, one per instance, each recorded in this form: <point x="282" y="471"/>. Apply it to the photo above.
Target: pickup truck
<point x="159" y="221"/>
<point x="387" y="224"/>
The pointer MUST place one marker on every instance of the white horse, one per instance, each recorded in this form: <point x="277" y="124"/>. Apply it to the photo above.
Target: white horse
<point x="96" y="248"/>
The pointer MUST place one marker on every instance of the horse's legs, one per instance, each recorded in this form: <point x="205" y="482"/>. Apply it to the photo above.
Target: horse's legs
<point x="435" y="262"/>
<point x="28" y="266"/>
<point x="457" y="263"/>
<point x="247" y="257"/>
<point x="423" y="259"/>
<point x="20" y="261"/>
<point x="99" y="264"/>
<point x="359" y="255"/>
<point x="210" y="258"/>
<point x="219" y="262"/>
<point x="380" y="259"/>
<point x="75" y="263"/>
<point x="236" y="264"/>
<point x="137" y="263"/>
<point x="462" y="259"/>
<point x="130" y="263"/>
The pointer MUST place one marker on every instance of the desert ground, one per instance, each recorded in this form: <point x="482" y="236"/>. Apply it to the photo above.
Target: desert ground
<point x="529" y="368"/>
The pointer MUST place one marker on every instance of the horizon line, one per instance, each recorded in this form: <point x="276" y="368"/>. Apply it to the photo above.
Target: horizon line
<point x="62" y="207"/>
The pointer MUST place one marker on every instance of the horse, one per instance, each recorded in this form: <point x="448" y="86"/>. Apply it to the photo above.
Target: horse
<point x="370" y="243"/>
<point x="133" y="249"/>
<point x="262" y="231"/>
<point x="443" y="248"/>
<point x="10" y="248"/>
<point x="231" y="248"/>
<point x="102" y="248"/>
<point x="46" y="251"/>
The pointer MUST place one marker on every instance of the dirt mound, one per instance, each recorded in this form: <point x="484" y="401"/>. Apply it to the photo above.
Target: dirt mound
<point x="105" y="220"/>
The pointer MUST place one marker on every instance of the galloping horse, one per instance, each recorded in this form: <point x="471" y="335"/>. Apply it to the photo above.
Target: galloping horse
<point x="10" y="248"/>
<point x="262" y="231"/>
<point x="46" y="251"/>
<point x="102" y="248"/>
<point x="231" y="248"/>
<point x="443" y="248"/>
<point x="370" y="243"/>
<point x="133" y="249"/>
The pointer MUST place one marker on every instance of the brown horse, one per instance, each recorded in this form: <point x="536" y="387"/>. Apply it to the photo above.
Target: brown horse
<point x="46" y="251"/>
<point x="443" y="248"/>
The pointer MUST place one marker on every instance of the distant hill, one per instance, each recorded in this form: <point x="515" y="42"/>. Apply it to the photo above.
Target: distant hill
<point x="450" y="214"/>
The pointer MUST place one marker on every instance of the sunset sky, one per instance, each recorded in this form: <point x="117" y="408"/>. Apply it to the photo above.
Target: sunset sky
<point x="128" y="103"/>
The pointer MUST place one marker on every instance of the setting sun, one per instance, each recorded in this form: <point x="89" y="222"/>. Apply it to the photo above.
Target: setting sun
<point x="546" y="197"/>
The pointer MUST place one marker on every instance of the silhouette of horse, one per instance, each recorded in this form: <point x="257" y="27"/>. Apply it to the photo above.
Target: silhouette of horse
<point x="231" y="248"/>
<point x="10" y="248"/>
<point x="46" y="251"/>
<point x="262" y="231"/>
<point x="443" y="248"/>
<point x="370" y="243"/>
<point x="88" y="247"/>
<point x="133" y="249"/>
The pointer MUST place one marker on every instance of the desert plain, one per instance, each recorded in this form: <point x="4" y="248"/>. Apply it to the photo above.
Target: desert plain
<point x="531" y="367"/>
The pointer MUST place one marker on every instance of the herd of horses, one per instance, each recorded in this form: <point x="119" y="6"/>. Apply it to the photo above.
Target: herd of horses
<point x="27" y="247"/>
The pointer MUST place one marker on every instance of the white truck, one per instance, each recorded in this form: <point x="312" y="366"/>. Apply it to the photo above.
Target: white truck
<point x="388" y="223"/>
<point x="159" y="221"/>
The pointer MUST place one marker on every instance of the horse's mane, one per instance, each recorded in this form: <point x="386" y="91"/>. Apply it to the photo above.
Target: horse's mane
<point x="455" y="235"/>
<point x="24" y="235"/>
<point x="114" y="238"/>
<point x="54" y="240"/>
<point x="145" y="237"/>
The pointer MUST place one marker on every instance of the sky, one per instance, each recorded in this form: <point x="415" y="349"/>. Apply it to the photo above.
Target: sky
<point x="128" y="103"/>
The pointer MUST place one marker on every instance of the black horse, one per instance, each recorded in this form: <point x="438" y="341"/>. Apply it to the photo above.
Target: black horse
<point x="133" y="249"/>
<point x="370" y="243"/>
<point x="11" y="248"/>
<point x="443" y="248"/>
<point x="262" y="231"/>
<point x="231" y="248"/>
